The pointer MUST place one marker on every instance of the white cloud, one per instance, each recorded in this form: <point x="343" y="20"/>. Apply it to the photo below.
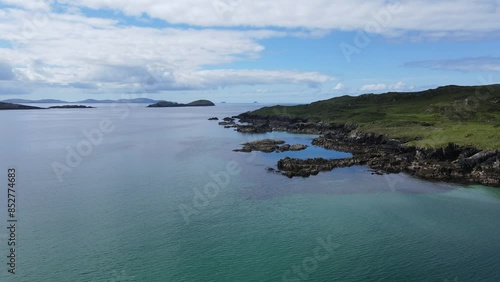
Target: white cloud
<point x="398" y="86"/>
<point x="217" y="78"/>
<point x="77" y="51"/>
<point x="68" y="49"/>
<point x="339" y="86"/>
<point x="470" y="17"/>
<point x="29" y="4"/>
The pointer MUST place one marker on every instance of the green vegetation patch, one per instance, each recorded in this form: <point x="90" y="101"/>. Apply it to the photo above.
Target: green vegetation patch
<point x="465" y="115"/>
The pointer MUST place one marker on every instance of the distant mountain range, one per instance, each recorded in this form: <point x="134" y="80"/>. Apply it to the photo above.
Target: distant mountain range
<point x="88" y="101"/>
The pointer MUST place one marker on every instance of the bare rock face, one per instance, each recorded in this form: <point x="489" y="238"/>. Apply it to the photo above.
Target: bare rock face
<point x="262" y="128"/>
<point x="298" y="147"/>
<point x="305" y="168"/>
<point x="269" y="146"/>
<point x="228" y="122"/>
<point x="266" y="145"/>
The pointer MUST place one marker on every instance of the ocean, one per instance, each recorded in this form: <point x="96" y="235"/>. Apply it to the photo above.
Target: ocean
<point x="128" y="193"/>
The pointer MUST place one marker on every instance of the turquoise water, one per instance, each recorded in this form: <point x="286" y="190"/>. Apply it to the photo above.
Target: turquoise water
<point x="163" y="197"/>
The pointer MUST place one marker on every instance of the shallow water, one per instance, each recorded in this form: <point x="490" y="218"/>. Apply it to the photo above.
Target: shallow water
<point x="163" y="197"/>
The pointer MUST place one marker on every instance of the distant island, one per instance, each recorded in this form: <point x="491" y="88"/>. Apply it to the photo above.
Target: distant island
<point x="158" y="104"/>
<point x="88" y="101"/>
<point x="12" y="106"/>
<point x="72" y="107"/>
<point x="168" y="104"/>
<point x="451" y="133"/>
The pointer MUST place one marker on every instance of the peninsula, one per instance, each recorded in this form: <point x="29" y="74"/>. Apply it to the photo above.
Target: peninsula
<point x="450" y="133"/>
<point x="11" y="106"/>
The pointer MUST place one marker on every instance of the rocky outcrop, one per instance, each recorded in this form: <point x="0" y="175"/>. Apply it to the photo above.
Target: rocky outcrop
<point x="305" y="168"/>
<point x="452" y="163"/>
<point x="228" y="122"/>
<point x="266" y="145"/>
<point x="269" y="146"/>
<point x="263" y="128"/>
<point x="297" y="147"/>
<point x="213" y="118"/>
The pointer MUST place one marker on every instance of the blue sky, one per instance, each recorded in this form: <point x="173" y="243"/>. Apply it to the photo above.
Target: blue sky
<point x="241" y="51"/>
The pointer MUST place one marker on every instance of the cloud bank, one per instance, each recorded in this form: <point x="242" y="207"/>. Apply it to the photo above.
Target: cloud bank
<point x="420" y="15"/>
<point x="87" y="44"/>
<point x="73" y="50"/>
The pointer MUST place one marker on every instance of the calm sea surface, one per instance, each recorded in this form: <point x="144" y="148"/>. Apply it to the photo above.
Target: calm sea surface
<point x="138" y="194"/>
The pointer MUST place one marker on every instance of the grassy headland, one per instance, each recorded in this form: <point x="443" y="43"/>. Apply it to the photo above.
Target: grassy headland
<point x="464" y="115"/>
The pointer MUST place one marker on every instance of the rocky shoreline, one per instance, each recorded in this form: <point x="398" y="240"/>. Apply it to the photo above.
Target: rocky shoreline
<point x="452" y="163"/>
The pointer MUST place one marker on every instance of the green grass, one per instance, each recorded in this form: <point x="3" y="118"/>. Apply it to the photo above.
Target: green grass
<point x="465" y="115"/>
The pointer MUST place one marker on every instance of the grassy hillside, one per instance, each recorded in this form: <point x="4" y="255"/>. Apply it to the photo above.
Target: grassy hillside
<point x="466" y="115"/>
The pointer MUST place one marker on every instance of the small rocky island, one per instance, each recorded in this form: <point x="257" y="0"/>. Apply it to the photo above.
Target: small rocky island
<point x="71" y="107"/>
<point x="168" y="104"/>
<point x="11" y="106"/>
<point x="269" y="146"/>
